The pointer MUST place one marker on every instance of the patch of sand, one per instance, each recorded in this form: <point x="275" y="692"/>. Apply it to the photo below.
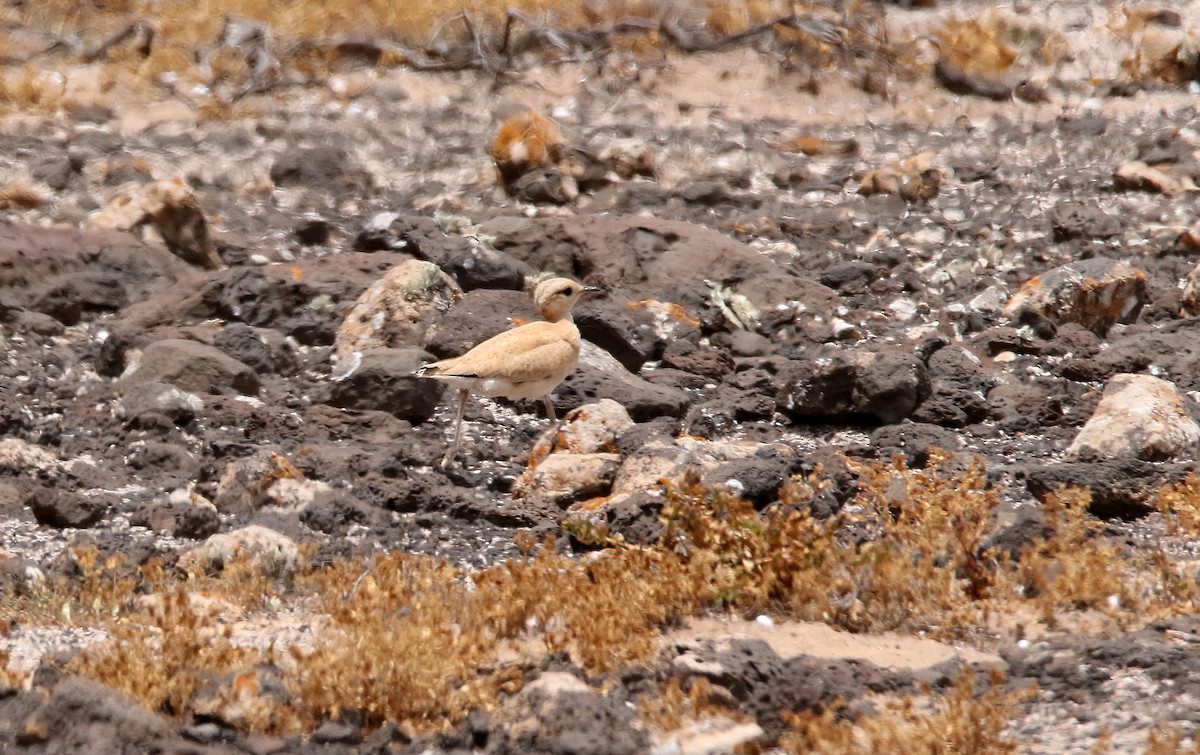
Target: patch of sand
<point x="792" y="638"/>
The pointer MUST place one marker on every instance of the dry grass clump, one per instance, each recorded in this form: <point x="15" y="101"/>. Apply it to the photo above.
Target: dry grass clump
<point x="677" y="703"/>
<point x="21" y="196"/>
<point x="31" y="87"/>
<point x="415" y="641"/>
<point x="1162" y="51"/>
<point x="909" y="548"/>
<point x="222" y="50"/>
<point x="409" y="639"/>
<point x="1180" y="506"/>
<point x="991" y="44"/>
<point x="163" y="662"/>
<point x="959" y="721"/>
<point x="1167" y="739"/>
<point x="1074" y="567"/>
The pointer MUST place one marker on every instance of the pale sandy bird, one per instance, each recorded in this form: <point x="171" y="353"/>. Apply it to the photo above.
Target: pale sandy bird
<point x="528" y="361"/>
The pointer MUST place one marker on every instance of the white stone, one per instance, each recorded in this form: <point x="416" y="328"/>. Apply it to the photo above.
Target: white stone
<point x="19" y="456"/>
<point x="1138" y="417"/>
<point x="593" y="428"/>
<point x="265" y="547"/>
<point x="566" y="477"/>
<point x="553" y="683"/>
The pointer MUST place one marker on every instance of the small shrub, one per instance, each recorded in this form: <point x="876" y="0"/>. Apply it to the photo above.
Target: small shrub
<point x="959" y="721"/>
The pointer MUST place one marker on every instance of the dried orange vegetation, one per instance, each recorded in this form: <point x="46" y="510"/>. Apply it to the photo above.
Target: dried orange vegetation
<point x="410" y="22"/>
<point x="990" y="44"/>
<point x="21" y="196"/>
<point x="526" y="141"/>
<point x="31" y="87"/>
<point x="412" y="640"/>
<point x="958" y="722"/>
<point x="726" y="17"/>
<point x="678" y="703"/>
<point x="1180" y="505"/>
<point x="163" y="662"/>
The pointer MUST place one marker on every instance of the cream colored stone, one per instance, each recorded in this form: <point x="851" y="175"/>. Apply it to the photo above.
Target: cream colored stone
<point x="266" y="549"/>
<point x="564" y="477"/>
<point x="169" y="207"/>
<point x="668" y="460"/>
<point x="397" y="309"/>
<point x="1138" y="417"/>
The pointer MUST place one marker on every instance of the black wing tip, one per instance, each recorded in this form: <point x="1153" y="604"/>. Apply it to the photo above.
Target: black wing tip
<point x="424" y="371"/>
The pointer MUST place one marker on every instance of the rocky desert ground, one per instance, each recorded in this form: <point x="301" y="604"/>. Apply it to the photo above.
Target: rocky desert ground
<point x="882" y="438"/>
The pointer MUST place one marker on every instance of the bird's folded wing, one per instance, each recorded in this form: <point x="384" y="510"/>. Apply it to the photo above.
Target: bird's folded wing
<point x="550" y="359"/>
<point x="531" y="352"/>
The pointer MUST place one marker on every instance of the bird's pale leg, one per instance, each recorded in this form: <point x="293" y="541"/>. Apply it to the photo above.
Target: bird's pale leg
<point x="462" y="405"/>
<point x="550" y="412"/>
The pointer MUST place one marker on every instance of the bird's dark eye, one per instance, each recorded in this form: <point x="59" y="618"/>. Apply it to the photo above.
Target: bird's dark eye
<point x="569" y="290"/>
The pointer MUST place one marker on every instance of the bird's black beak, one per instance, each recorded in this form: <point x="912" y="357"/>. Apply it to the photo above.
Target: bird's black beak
<point x="591" y="291"/>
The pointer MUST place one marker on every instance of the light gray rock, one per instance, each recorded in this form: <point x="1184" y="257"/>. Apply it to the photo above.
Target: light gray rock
<point x="1138" y="417"/>
<point x="566" y="477"/>
<point x="266" y="549"/>
<point x="397" y="309"/>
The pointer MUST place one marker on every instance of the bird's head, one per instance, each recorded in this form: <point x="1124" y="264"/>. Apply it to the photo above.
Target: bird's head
<point x="555" y="297"/>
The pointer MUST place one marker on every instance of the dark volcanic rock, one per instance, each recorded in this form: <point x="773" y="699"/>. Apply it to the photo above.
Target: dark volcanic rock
<point x="958" y="389"/>
<point x="768" y="686"/>
<point x="850" y="275"/>
<point x="689" y="356"/>
<point x="190" y="366"/>
<point x="627" y="334"/>
<point x="171" y="463"/>
<point x="1029" y="529"/>
<point x="68" y="297"/>
<point x="757" y="478"/>
<point x="262" y="349"/>
<point x="913" y="441"/>
<point x="384" y="381"/>
<point x="80" y="715"/>
<point x="69" y="273"/>
<point x="1172" y="349"/>
<point x="478" y="316"/>
<point x="1074" y="220"/>
<point x="544" y="186"/>
<point x="178" y="519"/>
<point x="637" y="518"/>
<point x="471" y="263"/>
<point x="635" y="258"/>
<point x="1120" y="489"/>
<point x="599" y="375"/>
<point x="570" y="722"/>
<point x="1021" y="406"/>
<point x="854" y="386"/>
<point x="160" y="399"/>
<point x="319" y="166"/>
<point x="306" y="299"/>
<point x="57" y="507"/>
<point x="335" y="511"/>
